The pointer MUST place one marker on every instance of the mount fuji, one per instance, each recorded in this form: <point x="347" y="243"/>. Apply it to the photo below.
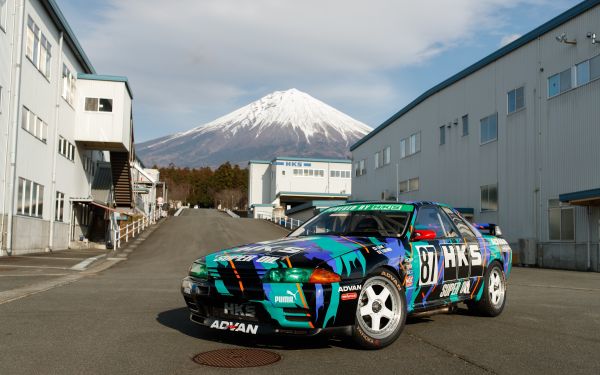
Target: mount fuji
<point x="284" y="123"/>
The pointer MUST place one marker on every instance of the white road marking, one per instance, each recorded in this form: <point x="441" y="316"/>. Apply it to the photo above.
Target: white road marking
<point x="83" y="265"/>
<point x="19" y="266"/>
<point x="43" y="257"/>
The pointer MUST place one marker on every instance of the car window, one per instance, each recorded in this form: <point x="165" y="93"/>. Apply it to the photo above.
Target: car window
<point x="430" y="218"/>
<point x="462" y="227"/>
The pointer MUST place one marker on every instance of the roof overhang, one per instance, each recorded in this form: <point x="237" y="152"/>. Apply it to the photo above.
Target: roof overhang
<point x="582" y="198"/>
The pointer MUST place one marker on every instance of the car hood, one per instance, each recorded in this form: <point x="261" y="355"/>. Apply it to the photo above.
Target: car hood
<point x="291" y="252"/>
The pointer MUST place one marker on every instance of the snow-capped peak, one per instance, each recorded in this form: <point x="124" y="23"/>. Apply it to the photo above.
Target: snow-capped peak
<point x="291" y="109"/>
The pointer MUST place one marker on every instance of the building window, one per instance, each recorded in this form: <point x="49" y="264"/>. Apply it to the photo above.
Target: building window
<point x="377" y="158"/>
<point x="561" y="222"/>
<point x="38" y="49"/>
<point x="489" y="198"/>
<point x="68" y="91"/>
<point x="387" y="155"/>
<point x="308" y="172"/>
<point x="410" y="145"/>
<point x="465" y="125"/>
<point x="516" y="99"/>
<point x="409" y="185"/>
<point x="442" y="134"/>
<point x="98" y="105"/>
<point x="489" y="128"/>
<point x="559" y="83"/>
<point x="402" y="148"/>
<point x="66" y="148"/>
<point x="360" y="168"/>
<point x="339" y="174"/>
<point x="34" y="125"/>
<point x="60" y="206"/>
<point x="30" y="198"/>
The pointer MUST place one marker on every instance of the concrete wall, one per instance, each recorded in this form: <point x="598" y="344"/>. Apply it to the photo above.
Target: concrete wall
<point x="548" y="148"/>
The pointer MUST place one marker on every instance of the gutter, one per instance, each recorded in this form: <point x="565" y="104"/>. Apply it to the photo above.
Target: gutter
<point x="54" y="149"/>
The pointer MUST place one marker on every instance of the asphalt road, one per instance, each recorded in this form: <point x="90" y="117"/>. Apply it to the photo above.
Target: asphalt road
<point x="131" y="319"/>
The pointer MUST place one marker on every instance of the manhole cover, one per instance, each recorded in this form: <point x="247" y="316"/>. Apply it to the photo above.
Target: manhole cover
<point x="236" y="358"/>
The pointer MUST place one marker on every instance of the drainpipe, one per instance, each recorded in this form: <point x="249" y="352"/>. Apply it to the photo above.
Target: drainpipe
<point x="16" y="100"/>
<point x="397" y="185"/>
<point x="54" y="148"/>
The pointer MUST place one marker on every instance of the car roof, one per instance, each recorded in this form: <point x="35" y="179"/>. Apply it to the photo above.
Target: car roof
<point x="414" y="203"/>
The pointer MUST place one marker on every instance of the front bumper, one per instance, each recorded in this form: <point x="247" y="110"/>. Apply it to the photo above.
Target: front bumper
<point x="282" y="308"/>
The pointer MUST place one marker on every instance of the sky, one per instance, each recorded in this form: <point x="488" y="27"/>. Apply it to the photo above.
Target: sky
<point x="191" y="61"/>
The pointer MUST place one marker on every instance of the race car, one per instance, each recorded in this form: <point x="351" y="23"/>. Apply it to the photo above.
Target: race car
<point x="360" y="268"/>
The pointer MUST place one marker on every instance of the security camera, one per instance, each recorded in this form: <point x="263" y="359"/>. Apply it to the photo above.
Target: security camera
<point x="592" y="36"/>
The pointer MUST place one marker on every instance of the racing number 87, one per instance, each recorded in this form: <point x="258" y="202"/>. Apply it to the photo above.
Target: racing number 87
<point x="429" y="272"/>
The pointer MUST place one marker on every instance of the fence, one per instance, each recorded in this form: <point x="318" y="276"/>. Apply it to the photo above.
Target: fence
<point x="284" y="221"/>
<point x="135" y="228"/>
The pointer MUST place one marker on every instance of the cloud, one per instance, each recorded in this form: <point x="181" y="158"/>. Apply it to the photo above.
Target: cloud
<point x="200" y="59"/>
<point x="507" y="39"/>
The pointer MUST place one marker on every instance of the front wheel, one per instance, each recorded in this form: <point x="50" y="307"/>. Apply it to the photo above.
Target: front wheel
<point x="380" y="312"/>
<point x="494" y="294"/>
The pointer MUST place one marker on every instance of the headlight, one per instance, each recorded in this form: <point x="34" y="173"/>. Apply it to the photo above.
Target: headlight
<point x="301" y="275"/>
<point x="198" y="270"/>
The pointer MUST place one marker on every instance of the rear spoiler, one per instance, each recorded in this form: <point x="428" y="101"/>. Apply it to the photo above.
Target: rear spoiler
<point x="489" y="228"/>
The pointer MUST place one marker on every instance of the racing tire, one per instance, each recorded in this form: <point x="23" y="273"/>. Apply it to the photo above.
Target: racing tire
<point x="380" y="311"/>
<point x="494" y="294"/>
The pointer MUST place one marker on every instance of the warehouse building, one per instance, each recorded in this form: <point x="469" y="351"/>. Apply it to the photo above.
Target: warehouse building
<point x="512" y="139"/>
<point x="66" y="135"/>
<point x="284" y="183"/>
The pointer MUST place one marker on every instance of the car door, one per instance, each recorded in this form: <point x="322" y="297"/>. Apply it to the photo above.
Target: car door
<point x="469" y="258"/>
<point x="433" y="266"/>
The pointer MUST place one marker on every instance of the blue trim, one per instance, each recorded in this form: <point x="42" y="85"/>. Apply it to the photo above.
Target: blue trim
<point x="315" y="204"/>
<point x="107" y="78"/>
<point x="61" y="22"/>
<point x="529" y="37"/>
<point x="311" y="194"/>
<point x="580" y="195"/>
<point x="345" y="161"/>
<point x="465" y="210"/>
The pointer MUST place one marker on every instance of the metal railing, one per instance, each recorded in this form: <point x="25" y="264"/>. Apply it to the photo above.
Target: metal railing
<point x="135" y="228"/>
<point x="284" y="221"/>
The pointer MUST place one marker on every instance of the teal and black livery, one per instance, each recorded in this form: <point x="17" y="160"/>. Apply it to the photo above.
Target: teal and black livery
<point x="313" y="279"/>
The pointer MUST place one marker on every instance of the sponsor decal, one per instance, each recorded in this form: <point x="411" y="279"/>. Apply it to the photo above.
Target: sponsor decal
<point x="372" y="207"/>
<point x="381" y="249"/>
<point x="290" y="298"/>
<point x="349" y="296"/>
<point x="235" y="258"/>
<point x="349" y="288"/>
<point x="239" y="310"/>
<point x="409" y="281"/>
<point x="392" y="279"/>
<point x="453" y="289"/>
<point x="234" y="326"/>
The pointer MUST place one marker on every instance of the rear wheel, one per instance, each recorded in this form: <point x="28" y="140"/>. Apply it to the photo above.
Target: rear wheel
<point x="380" y="312"/>
<point x="494" y="294"/>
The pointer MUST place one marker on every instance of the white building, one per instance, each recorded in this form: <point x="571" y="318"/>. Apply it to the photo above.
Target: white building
<point x="66" y="134"/>
<point x="512" y="139"/>
<point x="283" y="183"/>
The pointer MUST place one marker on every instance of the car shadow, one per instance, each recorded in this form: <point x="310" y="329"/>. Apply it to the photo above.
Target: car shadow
<point x="179" y="319"/>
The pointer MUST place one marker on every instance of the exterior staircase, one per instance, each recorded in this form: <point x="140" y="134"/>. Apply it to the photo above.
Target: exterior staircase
<point x="121" y="177"/>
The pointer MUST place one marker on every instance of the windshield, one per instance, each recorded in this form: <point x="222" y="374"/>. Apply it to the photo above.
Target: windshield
<point x="385" y="220"/>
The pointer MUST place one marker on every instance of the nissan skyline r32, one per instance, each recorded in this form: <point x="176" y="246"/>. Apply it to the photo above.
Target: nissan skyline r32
<point x="361" y="268"/>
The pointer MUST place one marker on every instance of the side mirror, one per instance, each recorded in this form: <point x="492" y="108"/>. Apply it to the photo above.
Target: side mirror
<point x="423" y="235"/>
